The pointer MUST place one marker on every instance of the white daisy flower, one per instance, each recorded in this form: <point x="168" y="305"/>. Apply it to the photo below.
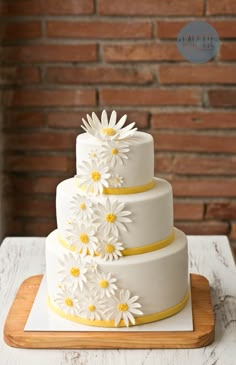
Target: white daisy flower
<point x="93" y="176"/>
<point x="81" y="208"/>
<point x="123" y="308"/>
<point x="107" y="130"/>
<point x="115" y="181"/>
<point x="104" y="286"/>
<point x="92" y="266"/>
<point x="91" y="307"/>
<point x="82" y="237"/>
<point x="69" y="221"/>
<point x="113" y="152"/>
<point x="67" y="300"/>
<point x="93" y="154"/>
<point x="92" y="269"/>
<point x="110" y="249"/>
<point x="111" y="217"/>
<point x="73" y="270"/>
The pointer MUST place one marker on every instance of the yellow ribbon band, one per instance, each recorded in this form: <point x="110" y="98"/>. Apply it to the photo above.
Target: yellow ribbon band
<point x="149" y="248"/>
<point x="111" y="323"/>
<point x="127" y="190"/>
<point x="133" y="250"/>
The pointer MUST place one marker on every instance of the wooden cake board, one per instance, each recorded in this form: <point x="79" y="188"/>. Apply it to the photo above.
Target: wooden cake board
<point x="202" y="334"/>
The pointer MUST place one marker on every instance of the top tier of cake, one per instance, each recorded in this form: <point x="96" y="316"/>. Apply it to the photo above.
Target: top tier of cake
<point x="112" y="158"/>
<point x="131" y="162"/>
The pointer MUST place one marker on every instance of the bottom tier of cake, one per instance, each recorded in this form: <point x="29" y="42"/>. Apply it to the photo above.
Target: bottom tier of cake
<point x="129" y="291"/>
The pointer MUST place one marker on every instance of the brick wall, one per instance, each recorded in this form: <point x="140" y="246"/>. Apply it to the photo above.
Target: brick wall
<point x="62" y="59"/>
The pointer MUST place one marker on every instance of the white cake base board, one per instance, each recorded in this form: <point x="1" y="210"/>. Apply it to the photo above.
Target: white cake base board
<point x="41" y="318"/>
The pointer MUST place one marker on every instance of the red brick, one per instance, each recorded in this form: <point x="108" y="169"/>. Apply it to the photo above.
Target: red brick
<point x="204" y="228"/>
<point x="222" y="7"/>
<point x="64" y="119"/>
<point x="228" y="52"/>
<point x="221" y="211"/>
<point x="167" y="29"/>
<point x="74" y="119"/>
<point x="204" y="187"/>
<point x="141" y="52"/>
<point x="197" y="165"/>
<point x="224" y="28"/>
<point x="38" y="163"/>
<point x="50" y="53"/>
<point x="33" y="207"/>
<point x="150" y="97"/>
<point x="233" y="234"/>
<point x="163" y="163"/>
<point x="141" y="118"/>
<point x="20" y="30"/>
<point x="99" y="29"/>
<point x="188" y="211"/>
<point x="34" y="185"/>
<point x="24" y="119"/>
<point x="27" y="97"/>
<point x="49" y="7"/>
<point x="7" y="204"/>
<point x="193" y="142"/>
<point x="14" y="227"/>
<point x="194" y="120"/>
<point x="197" y="74"/>
<point x="101" y="75"/>
<point x="40" y="228"/>
<point x="151" y="7"/>
<point x="222" y="98"/>
<point x="19" y="75"/>
<point x="41" y="141"/>
<point x="27" y="75"/>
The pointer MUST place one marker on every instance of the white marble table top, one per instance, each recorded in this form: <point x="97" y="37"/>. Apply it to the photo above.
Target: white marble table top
<point x="210" y="256"/>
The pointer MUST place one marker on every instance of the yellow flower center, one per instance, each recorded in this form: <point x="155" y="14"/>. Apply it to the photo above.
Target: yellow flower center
<point x="95" y="175"/>
<point x="108" y="131"/>
<point x="68" y="302"/>
<point x="93" y="154"/>
<point x="84" y="238"/>
<point x="109" y="248"/>
<point x="91" y="308"/>
<point x="75" y="271"/>
<point x="114" y="151"/>
<point x="111" y="218"/>
<point x="82" y="206"/>
<point x="103" y="284"/>
<point x="123" y="307"/>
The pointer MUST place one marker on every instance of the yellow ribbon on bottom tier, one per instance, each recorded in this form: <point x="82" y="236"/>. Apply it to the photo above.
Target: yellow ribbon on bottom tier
<point x="111" y="323"/>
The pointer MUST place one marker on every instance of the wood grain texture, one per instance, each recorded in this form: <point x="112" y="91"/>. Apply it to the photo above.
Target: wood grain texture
<point x="202" y="335"/>
<point x="210" y="256"/>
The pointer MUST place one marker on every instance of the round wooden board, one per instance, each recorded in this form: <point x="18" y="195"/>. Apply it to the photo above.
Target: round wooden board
<point x="202" y="335"/>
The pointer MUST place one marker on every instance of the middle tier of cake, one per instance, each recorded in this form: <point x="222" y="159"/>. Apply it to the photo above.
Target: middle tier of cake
<point x="150" y="213"/>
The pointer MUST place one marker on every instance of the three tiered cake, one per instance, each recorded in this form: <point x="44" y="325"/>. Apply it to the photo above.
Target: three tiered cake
<point x="115" y="260"/>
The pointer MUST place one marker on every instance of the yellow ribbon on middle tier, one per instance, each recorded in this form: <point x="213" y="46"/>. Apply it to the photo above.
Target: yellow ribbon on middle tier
<point x="132" y="250"/>
<point x="124" y="190"/>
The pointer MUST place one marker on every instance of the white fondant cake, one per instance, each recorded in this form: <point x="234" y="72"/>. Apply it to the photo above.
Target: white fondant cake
<point x="136" y="164"/>
<point x="115" y="259"/>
